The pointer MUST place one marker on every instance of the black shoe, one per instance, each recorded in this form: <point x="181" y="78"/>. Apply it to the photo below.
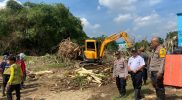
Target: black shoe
<point x="137" y="95"/>
<point x="160" y="94"/>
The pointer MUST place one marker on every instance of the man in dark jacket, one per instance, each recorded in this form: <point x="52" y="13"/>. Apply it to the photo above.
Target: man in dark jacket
<point x="144" y="55"/>
<point x="4" y="67"/>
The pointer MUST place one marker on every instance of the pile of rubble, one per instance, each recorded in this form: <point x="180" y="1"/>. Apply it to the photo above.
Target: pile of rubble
<point x="68" y="49"/>
<point x="73" y="79"/>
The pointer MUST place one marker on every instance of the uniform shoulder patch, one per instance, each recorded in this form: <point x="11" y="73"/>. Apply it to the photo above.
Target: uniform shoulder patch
<point x="162" y="52"/>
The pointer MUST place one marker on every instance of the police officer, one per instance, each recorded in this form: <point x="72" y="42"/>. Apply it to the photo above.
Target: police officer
<point x="135" y="66"/>
<point x="120" y="72"/>
<point x="156" y="68"/>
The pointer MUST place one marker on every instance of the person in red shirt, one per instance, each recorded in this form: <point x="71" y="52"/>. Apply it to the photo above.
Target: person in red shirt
<point x="21" y="62"/>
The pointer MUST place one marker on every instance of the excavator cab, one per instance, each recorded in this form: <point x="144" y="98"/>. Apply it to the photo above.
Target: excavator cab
<point x="91" y="49"/>
<point x="94" y="50"/>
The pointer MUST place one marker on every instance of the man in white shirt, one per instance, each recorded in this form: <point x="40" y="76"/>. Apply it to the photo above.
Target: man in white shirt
<point x="135" y="66"/>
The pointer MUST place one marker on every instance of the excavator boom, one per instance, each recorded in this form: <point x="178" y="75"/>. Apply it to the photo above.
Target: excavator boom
<point x="114" y="37"/>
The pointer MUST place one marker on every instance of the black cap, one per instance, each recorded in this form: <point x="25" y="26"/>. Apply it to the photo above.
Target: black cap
<point x="6" y="53"/>
<point x="12" y="58"/>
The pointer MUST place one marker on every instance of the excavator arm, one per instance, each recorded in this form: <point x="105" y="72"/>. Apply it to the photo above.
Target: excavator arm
<point x="114" y="37"/>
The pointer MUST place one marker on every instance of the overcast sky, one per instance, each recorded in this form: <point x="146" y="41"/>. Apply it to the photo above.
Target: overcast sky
<point x="140" y="18"/>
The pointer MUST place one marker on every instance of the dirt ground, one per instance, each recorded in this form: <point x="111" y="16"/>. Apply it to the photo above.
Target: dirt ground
<point x="44" y="88"/>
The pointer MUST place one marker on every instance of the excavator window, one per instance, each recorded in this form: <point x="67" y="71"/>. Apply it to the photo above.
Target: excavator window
<point x="91" y="46"/>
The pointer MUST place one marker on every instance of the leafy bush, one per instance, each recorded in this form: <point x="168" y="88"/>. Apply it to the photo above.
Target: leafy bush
<point x="37" y="28"/>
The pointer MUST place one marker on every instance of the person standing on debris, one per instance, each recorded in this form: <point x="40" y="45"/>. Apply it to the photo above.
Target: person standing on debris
<point x="15" y="78"/>
<point x="135" y="66"/>
<point x="157" y="68"/>
<point x="20" y="61"/>
<point x="5" y="73"/>
<point x="120" y="72"/>
<point x="145" y="69"/>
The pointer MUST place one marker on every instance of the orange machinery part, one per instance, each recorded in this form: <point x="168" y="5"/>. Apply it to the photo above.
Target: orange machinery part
<point x="173" y="70"/>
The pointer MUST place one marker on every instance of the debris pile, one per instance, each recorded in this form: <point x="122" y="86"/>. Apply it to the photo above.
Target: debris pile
<point x="57" y="79"/>
<point x="90" y="75"/>
<point x="40" y="73"/>
<point x="68" y="49"/>
<point x="73" y="79"/>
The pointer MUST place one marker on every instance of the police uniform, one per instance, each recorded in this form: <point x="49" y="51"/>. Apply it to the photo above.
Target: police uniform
<point x="157" y="67"/>
<point x="134" y="63"/>
<point x="120" y="71"/>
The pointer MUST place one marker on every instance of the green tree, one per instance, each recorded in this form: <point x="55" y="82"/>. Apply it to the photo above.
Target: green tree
<point x="37" y="28"/>
<point x="14" y="6"/>
<point x="171" y="35"/>
<point x="171" y="41"/>
<point x="30" y="5"/>
<point x="143" y="43"/>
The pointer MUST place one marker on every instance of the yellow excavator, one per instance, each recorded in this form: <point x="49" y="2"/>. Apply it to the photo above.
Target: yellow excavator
<point x="94" y="50"/>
